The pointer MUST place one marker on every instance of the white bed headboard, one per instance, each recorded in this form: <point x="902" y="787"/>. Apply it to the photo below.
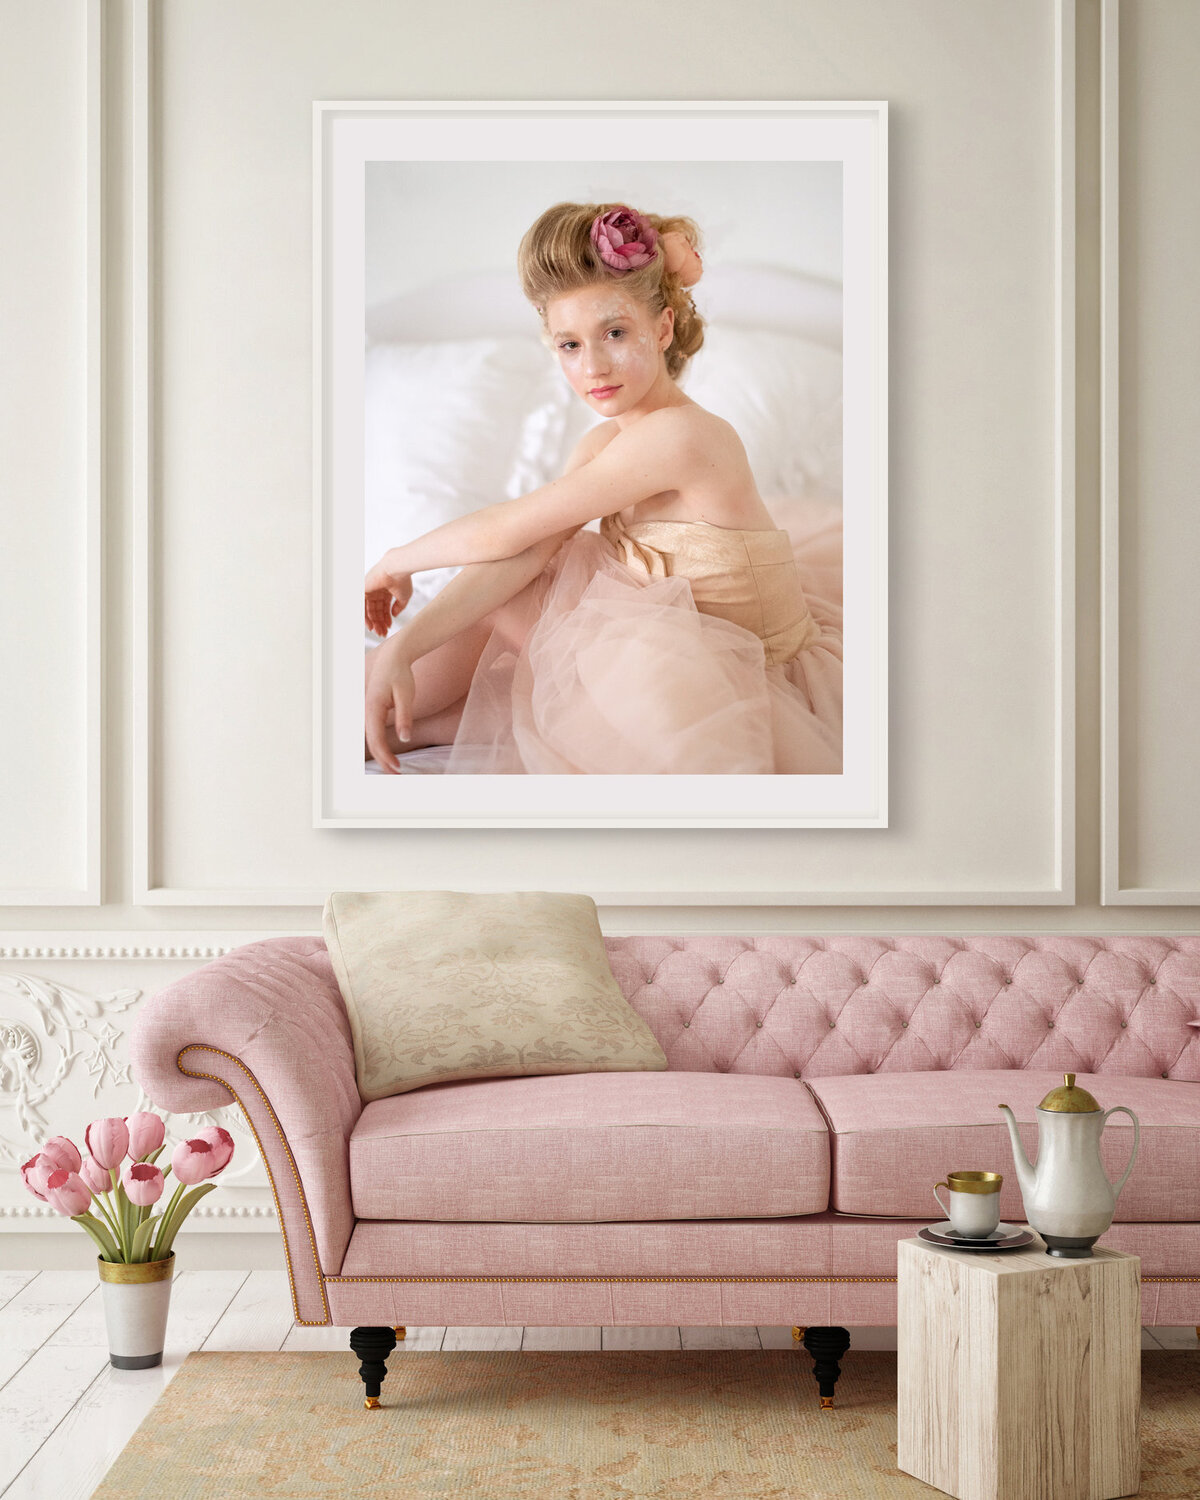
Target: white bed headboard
<point x="489" y="304"/>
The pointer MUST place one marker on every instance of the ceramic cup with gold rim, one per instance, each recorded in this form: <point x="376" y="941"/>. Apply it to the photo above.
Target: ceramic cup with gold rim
<point x="974" y="1208"/>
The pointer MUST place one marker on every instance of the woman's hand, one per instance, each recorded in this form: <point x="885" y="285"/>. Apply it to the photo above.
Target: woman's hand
<point x="389" y="687"/>
<point x="387" y="591"/>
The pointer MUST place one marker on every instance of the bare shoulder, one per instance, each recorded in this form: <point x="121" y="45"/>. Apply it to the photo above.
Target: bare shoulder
<point x="590" y="444"/>
<point x="687" y="431"/>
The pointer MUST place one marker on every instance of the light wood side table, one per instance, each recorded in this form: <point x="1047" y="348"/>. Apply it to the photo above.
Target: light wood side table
<point x="1019" y="1373"/>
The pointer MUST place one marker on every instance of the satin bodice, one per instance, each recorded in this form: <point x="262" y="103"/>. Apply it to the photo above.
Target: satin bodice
<point x="747" y="577"/>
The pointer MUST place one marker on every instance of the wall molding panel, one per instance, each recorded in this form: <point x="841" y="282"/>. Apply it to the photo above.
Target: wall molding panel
<point x="1115" y="811"/>
<point x="83" y="708"/>
<point x="151" y="878"/>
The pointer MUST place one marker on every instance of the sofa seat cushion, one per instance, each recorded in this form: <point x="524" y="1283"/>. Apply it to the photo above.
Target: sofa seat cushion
<point x="895" y="1134"/>
<point x="593" y="1147"/>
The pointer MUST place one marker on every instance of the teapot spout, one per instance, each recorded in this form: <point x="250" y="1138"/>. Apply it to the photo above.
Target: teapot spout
<point x="1025" y="1168"/>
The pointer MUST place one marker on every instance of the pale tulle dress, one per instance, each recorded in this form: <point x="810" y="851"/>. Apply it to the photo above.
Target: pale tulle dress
<point x="663" y="647"/>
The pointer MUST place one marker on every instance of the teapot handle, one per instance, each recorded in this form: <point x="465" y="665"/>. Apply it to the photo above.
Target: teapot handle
<point x="1137" y="1130"/>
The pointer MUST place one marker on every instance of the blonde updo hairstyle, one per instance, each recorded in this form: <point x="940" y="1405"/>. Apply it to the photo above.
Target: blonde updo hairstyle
<point x="557" y="256"/>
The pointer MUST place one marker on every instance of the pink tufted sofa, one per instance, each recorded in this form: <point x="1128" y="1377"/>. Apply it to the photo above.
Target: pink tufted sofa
<point x="817" y="1088"/>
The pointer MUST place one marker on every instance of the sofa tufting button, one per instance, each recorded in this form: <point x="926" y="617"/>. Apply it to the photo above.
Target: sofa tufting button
<point x="1164" y="1075"/>
<point x="978" y="1024"/>
<point x="720" y="981"/>
<point x="1049" y="1025"/>
<point x="903" y="1023"/>
<point x="937" y="981"/>
<point x="1008" y="981"/>
<point x="686" y="1024"/>
<point x="795" y="1075"/>
<point x="758" y="1023"/>
<point x="832" y="1025"/>
<point x="1124" y="1024"/>
<point x="1155" y="981"/>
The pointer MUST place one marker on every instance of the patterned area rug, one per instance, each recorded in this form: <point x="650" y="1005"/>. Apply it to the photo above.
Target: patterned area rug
<point x="612" y="1425"/>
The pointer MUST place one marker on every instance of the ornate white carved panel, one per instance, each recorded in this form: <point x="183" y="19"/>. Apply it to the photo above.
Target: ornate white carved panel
<point x="64" y="1026"/>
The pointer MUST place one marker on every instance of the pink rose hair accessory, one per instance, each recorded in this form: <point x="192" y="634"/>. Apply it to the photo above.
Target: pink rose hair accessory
<point x="623" y="239"/>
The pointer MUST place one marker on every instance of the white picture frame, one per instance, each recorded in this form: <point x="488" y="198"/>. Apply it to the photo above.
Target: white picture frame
<point x="694" y="138"/>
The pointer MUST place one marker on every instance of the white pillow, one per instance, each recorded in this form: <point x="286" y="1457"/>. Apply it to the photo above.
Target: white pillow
<point x="783" y="394"/>
<point x="451" y="426"/>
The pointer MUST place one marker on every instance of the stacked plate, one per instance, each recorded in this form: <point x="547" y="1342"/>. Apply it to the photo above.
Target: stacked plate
<point x="1003" y="1237"/>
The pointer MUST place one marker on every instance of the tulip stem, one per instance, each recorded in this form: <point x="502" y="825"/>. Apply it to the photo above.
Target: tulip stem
<point x="108" y="1218"/>
<point x="124" y="1227"/>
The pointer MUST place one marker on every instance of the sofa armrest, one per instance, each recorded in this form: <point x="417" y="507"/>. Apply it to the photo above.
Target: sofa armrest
<point x="266" y="1024"/>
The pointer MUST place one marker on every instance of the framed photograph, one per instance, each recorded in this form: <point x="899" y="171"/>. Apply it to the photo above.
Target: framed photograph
<point x="600" y="458"/>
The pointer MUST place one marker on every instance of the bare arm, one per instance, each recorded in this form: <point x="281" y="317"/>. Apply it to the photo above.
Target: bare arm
<point x="467" y="598"/>
<point x="651" y="456"/>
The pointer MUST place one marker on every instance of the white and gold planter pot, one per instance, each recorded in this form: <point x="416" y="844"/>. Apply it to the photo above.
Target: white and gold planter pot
<point x="136" y="1301"/>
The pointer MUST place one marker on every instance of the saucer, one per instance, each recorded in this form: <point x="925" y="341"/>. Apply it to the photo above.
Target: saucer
<point x="1003" y="1237"/>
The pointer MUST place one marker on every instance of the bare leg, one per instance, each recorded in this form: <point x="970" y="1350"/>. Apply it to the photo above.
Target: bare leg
<point x="443" y="676"/>
<point x="442" y="679"/>
<point x="433" y="729"/>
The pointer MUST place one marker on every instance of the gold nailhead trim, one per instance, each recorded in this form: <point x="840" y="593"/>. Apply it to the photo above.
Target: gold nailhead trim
<point x="610" y="1280"/>
<point x="199" y="1047"/>
<point x="664" y="1280"/>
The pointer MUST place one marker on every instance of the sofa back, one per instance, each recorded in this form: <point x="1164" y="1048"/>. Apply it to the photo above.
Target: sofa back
<point x="818" y="1006"/>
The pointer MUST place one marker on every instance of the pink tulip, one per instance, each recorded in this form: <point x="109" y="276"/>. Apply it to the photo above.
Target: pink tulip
<point x="62" y="1152"/>
<point x="143" y="1183"/>
<point x="67" y="1193"/>
<point x="193" y="1160"/>
<point x="146" y="1132"/>
<point x="95" y="1176"/>
<point x="221" y="1142"/>
<point x="108" y="1140"/>
<point x="34" y="1174"/>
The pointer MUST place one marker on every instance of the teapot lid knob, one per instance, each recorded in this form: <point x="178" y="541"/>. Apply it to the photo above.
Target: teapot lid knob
<point x="1069" y="1099"/>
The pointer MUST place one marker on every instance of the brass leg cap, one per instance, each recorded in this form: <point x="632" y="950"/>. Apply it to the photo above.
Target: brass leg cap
<point x="401" y="1332"/>
<point x="826" y="1403"/>
<point x="798" y="1333"/>
<point x="371" y="1403"/>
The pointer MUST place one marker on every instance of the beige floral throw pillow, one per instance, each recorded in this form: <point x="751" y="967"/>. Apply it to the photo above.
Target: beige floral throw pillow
<point x="442" y="985"/>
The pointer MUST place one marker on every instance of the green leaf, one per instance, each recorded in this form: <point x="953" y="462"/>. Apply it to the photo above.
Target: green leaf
<point x="180" y="1212"/>
<point x="163" y="1222"/>
<point x="101" y="1236"/>
<point x="141" y="1240"/>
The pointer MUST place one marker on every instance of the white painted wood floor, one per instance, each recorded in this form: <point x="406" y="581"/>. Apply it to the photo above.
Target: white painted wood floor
<point x="65" y="1413"/>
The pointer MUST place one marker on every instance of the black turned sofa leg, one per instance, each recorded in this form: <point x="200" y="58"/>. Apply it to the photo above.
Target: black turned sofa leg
<point x="826" y="1345"/>
<point x="372" y="1345"/>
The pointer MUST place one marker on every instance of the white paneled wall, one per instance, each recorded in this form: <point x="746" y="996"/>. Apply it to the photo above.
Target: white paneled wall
<point x="155" y="764"/>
